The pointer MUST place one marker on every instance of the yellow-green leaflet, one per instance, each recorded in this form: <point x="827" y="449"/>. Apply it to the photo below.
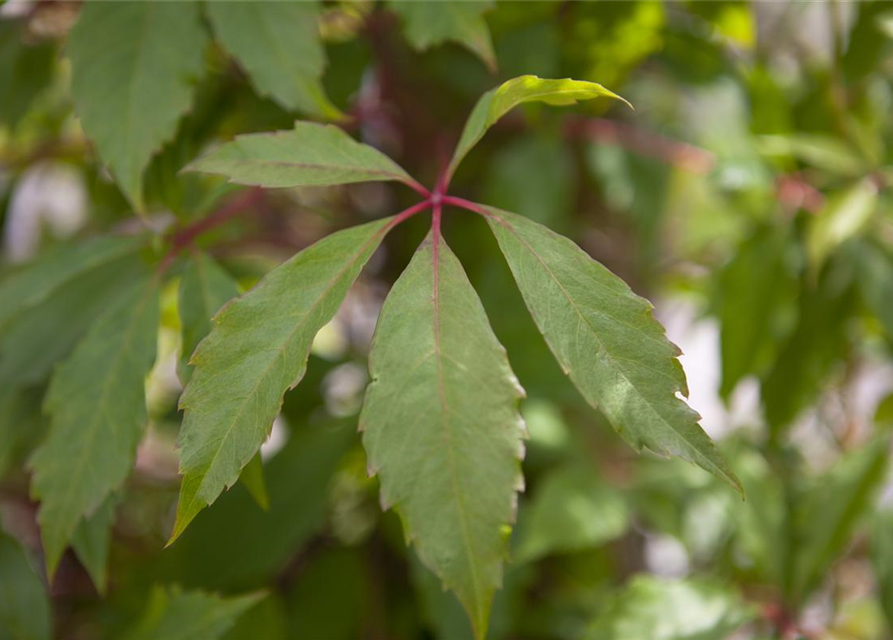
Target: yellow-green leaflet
<point x="278" y="45"/>
<point x="308" y="155"/>
<point x="497" y="102"/>
<point x="133" y="67"/>
<point x="606" y="339"/>
<point x="97" y="406"/>
<point x="256" y="351"/>
<point x="441" y="426"/>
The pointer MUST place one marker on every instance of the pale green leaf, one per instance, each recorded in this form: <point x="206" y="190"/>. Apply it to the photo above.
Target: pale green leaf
<point x="309" y="155"/>
<point x="842" y="217"/>
<point x="133" y="65"/>
<point x="256" y="351"/>
<point x="824" y="152"/>
<point x="441" y="426"/>
<point x="175" y="614"/>
<point x="573" y="510"/>
<point x="204" y="288"/>
<point x="431" y="23"/>
<point x="278" y="45"/>
<point x="672" y="610"/>
<point x="96" y="402"/>
<point x="497" y="102"/>
<point x="607" y="340"/>
<point x="91" y="542"/>
<point x="24" y="603"/>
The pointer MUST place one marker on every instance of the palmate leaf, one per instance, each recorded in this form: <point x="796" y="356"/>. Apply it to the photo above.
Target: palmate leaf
<point x="97" y="406"/>
<point x="497" y="102"/>
<point x="132" y="69"/>
<point x="278" y="45"/>
<point x="431" y="23"/>
<point x="606" y="339"/>
<point x="441" y="426"/>
<point x="308" y="155"/>
<point x="174" y="614"/>
<point x="256" y="351"/>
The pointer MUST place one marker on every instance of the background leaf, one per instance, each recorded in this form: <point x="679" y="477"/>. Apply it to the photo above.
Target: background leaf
<point x="129" y="103"/>
<point x="24" y="604"/>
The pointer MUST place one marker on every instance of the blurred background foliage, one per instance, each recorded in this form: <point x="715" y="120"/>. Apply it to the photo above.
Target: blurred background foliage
<point x="747" y="195"/>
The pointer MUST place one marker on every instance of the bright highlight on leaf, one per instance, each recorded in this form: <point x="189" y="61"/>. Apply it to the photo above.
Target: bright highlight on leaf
<point x="606" y="339"/>
<point x="309" y="155"/>
<point x="441" y="426"/>
<point x="133" y="65"/>
<point x="256" y="351"/>
<point x="97" y="406"/>
<point x="499" y="101"/>
<point x="278" y="44"/>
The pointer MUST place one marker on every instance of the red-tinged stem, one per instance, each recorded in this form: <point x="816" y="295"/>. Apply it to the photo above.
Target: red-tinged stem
<point x="186" y="236"/>
<point x="417" y="187"/>
<point x="408" y="213"/>
<point x="468" y="205"/>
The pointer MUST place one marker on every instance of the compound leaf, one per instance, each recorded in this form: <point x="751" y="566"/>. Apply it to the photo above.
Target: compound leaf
<point x="278" y="45"/>
<point x="174" y="614"/>
<point x="497" y="102"/>
<point x="129" y="103"/>
<point x="441" y="426"/>
<point x="431" y="23"/>
<point x="309" y="155"/>
<point x="256" y="351"/>
<point x="607" y="340"/>
<point x="97" y="406"/>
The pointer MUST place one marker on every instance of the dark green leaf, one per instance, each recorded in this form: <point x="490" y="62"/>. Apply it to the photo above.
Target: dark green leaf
<point x="174" y="614"/>
<point x="97" y="405"/>
<point x="129" y="103"/>
<point x="91" y="542"/>
<point x="24" y="604"/>
<point x="441" y="426"/>
<point x="278" y="45"/>
<point x="606" y="339"/>
<point x="25" y="70"/>
<point x="431" y="23"/>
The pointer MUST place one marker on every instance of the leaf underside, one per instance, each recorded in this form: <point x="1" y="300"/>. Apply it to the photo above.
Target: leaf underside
<point x="441" y="426"/>
<point x="256" y="351"/>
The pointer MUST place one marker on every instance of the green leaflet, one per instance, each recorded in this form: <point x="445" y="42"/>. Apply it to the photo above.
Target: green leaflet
<point x="24" y="604"/>
<point x="204" y="289"/>
<point x="245" y="366"/>
<point x="691" y="609"/>
<point x="174" y="614"/>
<point x="842" y="217"/>
<point x="253" y="478"/>
<point x="278" y="45"/>
<point x="882" y="559"/>
<point x="308" y="155"/>
<point x="497" y="102"/>
<point x="606" y="339"/>
<point x="91" y="542"/>
<point x="96" y="401"/>
<point x="48" y="275"/>
<point x="441" y="426"/>
<point x="431" y="23"/>
<point x="129" y="103"/>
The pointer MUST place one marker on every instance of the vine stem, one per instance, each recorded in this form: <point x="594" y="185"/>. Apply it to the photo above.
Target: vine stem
<point x="408" y="213"/>
<point x="468" y="205"/>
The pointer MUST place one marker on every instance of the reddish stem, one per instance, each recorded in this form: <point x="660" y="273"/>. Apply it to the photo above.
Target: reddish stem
<point x="186" y="236"/>
<point x="468" y="205"/>
<point x="408" y="213"/>
<point x="417" y="187"/>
